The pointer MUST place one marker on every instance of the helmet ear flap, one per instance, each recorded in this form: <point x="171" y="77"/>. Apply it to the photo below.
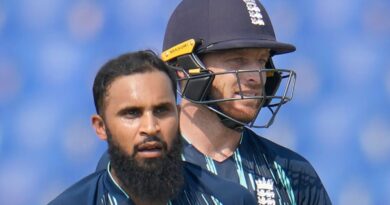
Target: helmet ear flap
<point x="196" y="80"/>
<point x="198" y="86"/>
<point x="272" y="83"/>
<point x="197" y="89"/>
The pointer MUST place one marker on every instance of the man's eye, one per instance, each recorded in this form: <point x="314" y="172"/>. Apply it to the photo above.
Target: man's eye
<point x="262" y="63"/>
<point x="132" y="113"/>
<point x="161" y="110"/>
<point x="236" y="61"/>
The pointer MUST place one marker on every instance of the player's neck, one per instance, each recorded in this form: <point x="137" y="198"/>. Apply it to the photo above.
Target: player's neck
<point x="204" y="130"/>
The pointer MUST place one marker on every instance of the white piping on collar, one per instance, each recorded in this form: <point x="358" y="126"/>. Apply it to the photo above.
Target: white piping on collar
<point x="112" y="178"/>
<point x="186" y="139"/>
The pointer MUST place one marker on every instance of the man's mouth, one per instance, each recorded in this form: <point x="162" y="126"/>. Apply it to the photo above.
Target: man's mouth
<point x="245" y="94"/>
<point x="150" y="149"/>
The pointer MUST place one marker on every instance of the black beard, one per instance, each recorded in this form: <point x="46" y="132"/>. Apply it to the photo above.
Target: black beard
<point x="151" y="180"/>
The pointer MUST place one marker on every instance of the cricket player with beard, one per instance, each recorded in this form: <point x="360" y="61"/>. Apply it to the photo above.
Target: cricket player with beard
<point x="135" y="100"/>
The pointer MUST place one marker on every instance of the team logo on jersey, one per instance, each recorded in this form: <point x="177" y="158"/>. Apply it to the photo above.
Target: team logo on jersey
<point x="265" y="191"/>
<point x="254" y="12"/>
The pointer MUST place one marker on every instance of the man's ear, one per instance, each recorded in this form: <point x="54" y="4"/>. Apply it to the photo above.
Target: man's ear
<point x="99" y="126"/>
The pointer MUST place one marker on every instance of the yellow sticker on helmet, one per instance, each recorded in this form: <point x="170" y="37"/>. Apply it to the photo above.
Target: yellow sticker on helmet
<point x="270" y="73"/>
<point x="185" y="47"/>
<point x="194" y="71"/>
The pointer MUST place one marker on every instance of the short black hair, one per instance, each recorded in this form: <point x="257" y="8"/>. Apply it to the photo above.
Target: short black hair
<point x="127" y="64"/>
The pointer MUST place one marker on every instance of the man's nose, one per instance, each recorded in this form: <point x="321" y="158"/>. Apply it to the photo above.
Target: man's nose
<point x="150" y="125"/>
<point x="253" y="77"/>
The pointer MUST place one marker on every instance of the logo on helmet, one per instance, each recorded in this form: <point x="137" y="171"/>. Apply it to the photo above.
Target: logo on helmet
<point x="254" y="12"/>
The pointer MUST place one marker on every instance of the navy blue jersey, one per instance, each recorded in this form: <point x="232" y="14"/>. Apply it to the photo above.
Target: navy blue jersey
<point x="200" y="188"/>
<point x="272" y="173"/>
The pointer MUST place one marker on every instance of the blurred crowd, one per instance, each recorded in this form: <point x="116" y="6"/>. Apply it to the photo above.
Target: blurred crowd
<point x="50" y="51"/>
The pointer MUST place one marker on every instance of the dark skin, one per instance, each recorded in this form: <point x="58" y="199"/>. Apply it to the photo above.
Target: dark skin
<point x="134" y="111"/>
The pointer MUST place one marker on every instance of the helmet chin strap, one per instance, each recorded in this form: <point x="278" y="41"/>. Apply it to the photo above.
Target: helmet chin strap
<point x="226" y="121"/>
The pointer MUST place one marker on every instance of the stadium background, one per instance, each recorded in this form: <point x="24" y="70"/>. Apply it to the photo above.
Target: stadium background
<point x="50" y="51"/>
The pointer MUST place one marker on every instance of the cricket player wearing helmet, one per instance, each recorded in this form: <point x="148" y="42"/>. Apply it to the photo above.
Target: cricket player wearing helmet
<point x="222" y="52"/>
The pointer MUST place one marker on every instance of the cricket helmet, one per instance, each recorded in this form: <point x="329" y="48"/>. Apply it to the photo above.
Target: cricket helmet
<point x="198" y="27"/>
